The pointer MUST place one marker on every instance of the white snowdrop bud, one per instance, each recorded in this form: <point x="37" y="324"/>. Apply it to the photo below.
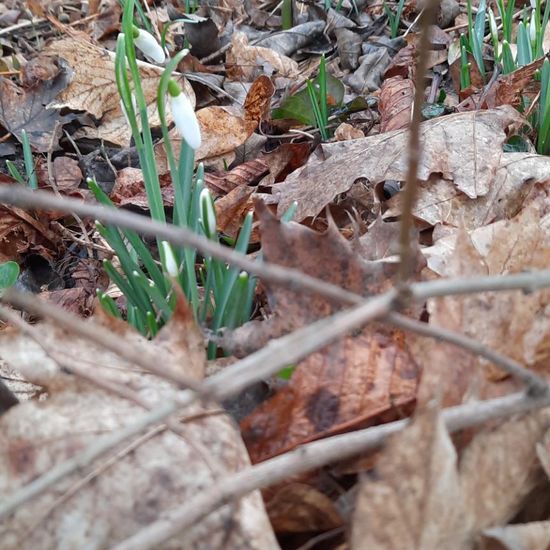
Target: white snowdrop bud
<point x="147" y="43"/>
<point x="184" y="116"/>
<point x="208" y="213"/>
<point x="170" y="263"/>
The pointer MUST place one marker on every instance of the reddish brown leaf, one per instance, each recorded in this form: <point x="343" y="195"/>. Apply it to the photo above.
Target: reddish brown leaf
<point x="299" y="508"/>
<point x="395" y="106"/>
<point x="365" y="378"/>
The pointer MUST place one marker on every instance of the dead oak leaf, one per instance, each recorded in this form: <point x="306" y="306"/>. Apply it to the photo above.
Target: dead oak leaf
<point x="363" y="378"/>
<point x="464" y="148"/>
<point x="440" y="201"/>
<point x="419" y="498"/>
<point x="30" y="109"/>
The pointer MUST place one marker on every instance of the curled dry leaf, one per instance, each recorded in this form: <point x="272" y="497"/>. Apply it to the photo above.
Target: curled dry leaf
<point x="93" y="89"/>
<point x="395" y="106"/>
<point x="245" y="62"/>
<point x="146" y="476"/>
<point x="465" y="148"/>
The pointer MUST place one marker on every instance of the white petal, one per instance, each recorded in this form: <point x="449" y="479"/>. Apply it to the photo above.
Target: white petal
<point x="149" y="46"/>
<point x="186" y="120"/>
<point x="171" y="266"/>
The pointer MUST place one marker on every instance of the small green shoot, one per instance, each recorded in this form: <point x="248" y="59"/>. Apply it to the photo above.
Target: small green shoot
<point x="9" y="271"/>
<point x="394" y="18"/>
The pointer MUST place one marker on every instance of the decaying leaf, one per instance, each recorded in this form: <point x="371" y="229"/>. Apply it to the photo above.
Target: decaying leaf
<point x="93" y="89"/>
<point x="30" y="109"/>
<point x="440" y="201"/>
<point x="145" y="476"/>
<point x="366" y="376"/>
<point x="464" y="148"/>
<point x="396" y="99"/>
<point x="419" y="498"/>
<point x="414" y="500"/>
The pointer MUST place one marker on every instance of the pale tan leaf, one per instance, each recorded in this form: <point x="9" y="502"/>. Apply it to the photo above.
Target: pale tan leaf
<point x="414" y="498"/>
<point x="245" y="62"/>
<point x="499" y="468"/>
<point x="464" y="148"/>
<point x="93" y="89"/>
<point x="440" y="201"/>
<point x="151" y="474"/>
<point x="527" y="536"/>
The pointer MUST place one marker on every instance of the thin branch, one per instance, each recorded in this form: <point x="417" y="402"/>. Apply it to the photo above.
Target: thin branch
<point x="258" y="366"/>
<point x="414" y="149"/>
<point x="535" y="384"/>
<point x="18" y="195"/>
<point x="311" y="456"/>
<point x="136" y="353"/>
<point x="269" y="360"/>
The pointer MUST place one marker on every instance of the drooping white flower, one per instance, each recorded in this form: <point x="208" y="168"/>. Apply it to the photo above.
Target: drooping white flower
<point x="208" y="213"/>
<point x="147" y="43"/>
<point x="170" y="263"/>
<point x="184" y="116"/>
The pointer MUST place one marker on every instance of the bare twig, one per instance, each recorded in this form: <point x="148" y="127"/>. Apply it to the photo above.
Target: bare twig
<point x="535" y="384"/>
<point x="269" y="360"/>
<point x="135" y="354"/>
<point x="409" y="193"/>
<point x="309" y="457"/>
<point x="17" y="195"/>
<point x="229" y="382"/>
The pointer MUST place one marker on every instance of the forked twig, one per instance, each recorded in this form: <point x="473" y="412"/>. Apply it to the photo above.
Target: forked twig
<point x="311" y="456"/>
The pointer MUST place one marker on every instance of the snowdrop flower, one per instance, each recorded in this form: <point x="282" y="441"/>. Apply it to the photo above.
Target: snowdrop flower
<point x="208" y="213"/>
<point x="171" y="266"/>
<point x="184" y="116"/>
<point x="147" y="43"/>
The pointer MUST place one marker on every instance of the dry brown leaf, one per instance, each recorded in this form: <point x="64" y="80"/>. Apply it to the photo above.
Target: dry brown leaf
<point x="367" y="377"/>
<point x="419" y="498"/>
<point x="395" y="106"/>
<point x="439" y="200"/>
<point x="246" y="62"/>
<point x="465" y="148"/>
<point x="526" y="536"/>
<point x="30" y="109"/>
<point x="414" y="500"/>
<point x="300" y="508"/>
<point x="93" y="89"/>
<point x="157" y="473"/>
<point x="499" y="468"/>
